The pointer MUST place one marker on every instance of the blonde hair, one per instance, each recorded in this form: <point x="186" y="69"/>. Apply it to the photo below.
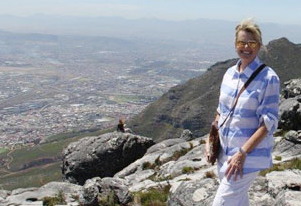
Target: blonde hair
<point x="250" y="26"/>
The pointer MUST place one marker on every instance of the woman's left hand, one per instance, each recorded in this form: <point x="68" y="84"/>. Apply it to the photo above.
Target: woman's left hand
<point x="235" y="165"/>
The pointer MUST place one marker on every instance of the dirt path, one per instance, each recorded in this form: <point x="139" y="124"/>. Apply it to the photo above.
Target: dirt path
<point x="11" y="159"/>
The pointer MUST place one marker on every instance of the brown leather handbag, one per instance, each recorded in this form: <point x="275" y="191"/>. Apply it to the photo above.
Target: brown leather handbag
<point x="214" y="141"/>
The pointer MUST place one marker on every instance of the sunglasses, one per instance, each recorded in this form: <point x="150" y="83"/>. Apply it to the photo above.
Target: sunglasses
<point x="252" y="44"/>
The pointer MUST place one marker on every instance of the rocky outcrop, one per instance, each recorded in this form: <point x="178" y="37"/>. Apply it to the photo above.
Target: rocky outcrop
<point x="52" y="189"/>
<point x="102" y="156"/>
<point x="168" y="162"/>
<point x="290" y="107"/>
<point x="180" y="165"/>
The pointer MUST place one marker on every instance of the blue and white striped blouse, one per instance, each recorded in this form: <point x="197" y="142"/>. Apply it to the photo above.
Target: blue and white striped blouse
<point x="258" y="104"/>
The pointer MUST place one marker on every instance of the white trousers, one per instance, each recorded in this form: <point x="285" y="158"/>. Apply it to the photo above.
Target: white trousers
<point x="230" y="192"/>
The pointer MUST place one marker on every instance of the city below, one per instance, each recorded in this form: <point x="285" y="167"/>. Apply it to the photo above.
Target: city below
<point x="57" y="84"/>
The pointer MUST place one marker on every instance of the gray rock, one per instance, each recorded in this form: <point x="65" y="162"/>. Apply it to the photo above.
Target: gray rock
<point x="139" y="176"/>
<point x="186" y="135"/>
<point x="89" y="196"/>
<point x="288" y="198"/>
<point x="108" y="189"/>
<point x="287" y="148"/>
<point x="194" y="193"/>
<point x="102" y="156"/>
<point x="258" y="194"/>
<point x="3" y="195"/>
<point x="292" y="88"/>
<point x="52" y="189"/>
<point x="119" y="189"/>
<point x="283" y="180"/>
<point x="293" y="136"/>
<point x="163" y="145"/>
<point x="290" y="114"/>
<point x="167" y="161"/>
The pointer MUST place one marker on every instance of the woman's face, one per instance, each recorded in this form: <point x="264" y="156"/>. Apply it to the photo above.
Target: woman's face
<point x="246" y="46"/>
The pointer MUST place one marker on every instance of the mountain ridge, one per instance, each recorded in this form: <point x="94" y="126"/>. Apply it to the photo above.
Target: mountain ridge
<point x="196" y="30"/>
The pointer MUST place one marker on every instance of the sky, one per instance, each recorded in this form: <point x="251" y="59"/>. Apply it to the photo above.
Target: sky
<point x="274" y="11"/>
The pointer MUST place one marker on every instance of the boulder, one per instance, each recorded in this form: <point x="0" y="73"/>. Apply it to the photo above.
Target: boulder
<point x="289" y="146"/>
<point x="97" y="191"/>
<point x="290" y="114"/>
<point x="290" y="106"/>
<point x="89" y="196"/>
<point x="102" y="156"/>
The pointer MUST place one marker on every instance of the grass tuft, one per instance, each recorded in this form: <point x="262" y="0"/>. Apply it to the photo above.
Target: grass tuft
<point x="292" y="164"/>
<point x="187" y="170"/>
<point x="59" y="199"/>
<point x="179" y="153"/>
<point x="153" y="197"/>
<point x="210" y="174"/>
<point x="108" y="200"/>
<point x="278" y="158"/>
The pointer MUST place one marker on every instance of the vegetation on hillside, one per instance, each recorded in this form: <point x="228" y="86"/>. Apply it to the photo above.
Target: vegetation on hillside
<point x="38" y="165"/>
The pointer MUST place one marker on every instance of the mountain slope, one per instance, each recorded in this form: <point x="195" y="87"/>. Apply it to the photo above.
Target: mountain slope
<point x="192" y="105"/>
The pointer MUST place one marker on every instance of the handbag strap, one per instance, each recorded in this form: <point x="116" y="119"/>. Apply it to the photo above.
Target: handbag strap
<point x="252" y="77"/>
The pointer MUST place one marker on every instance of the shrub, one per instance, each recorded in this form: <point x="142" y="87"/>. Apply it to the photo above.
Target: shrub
<point x="179" y="153"/>
<point x="202" y="141"/>
<point x="278" y="158"/>
<point x="186" y="179"/>
<point x="187" y="170"/>
<point x="59" y="199"/>
<point x="108" y="200"/>
<point x="153" y="197"/>
<point x="158" y="162"/>
<point x="210" y="174"/>
<point x="148" y="165"/>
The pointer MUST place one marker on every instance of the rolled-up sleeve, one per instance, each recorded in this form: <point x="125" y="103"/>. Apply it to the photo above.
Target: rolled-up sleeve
<point x="218" y="110"/>
<point x="267" y="112"/>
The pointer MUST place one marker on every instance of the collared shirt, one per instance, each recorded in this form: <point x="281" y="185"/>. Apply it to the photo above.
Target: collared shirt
<point x="257" y="105"/>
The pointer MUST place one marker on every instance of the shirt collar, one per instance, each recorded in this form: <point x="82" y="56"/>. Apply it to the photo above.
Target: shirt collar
<point x="251" y="67"/>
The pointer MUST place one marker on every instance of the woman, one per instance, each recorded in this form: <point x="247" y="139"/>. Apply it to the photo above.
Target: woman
<point x="247" y="135"/>
<point x="120" y="126"/>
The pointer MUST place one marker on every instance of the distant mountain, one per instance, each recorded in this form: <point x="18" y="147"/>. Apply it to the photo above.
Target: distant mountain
<point x="192" y="105"/>
<point x="199" y="31"/>
<point x="18" y="37"/>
